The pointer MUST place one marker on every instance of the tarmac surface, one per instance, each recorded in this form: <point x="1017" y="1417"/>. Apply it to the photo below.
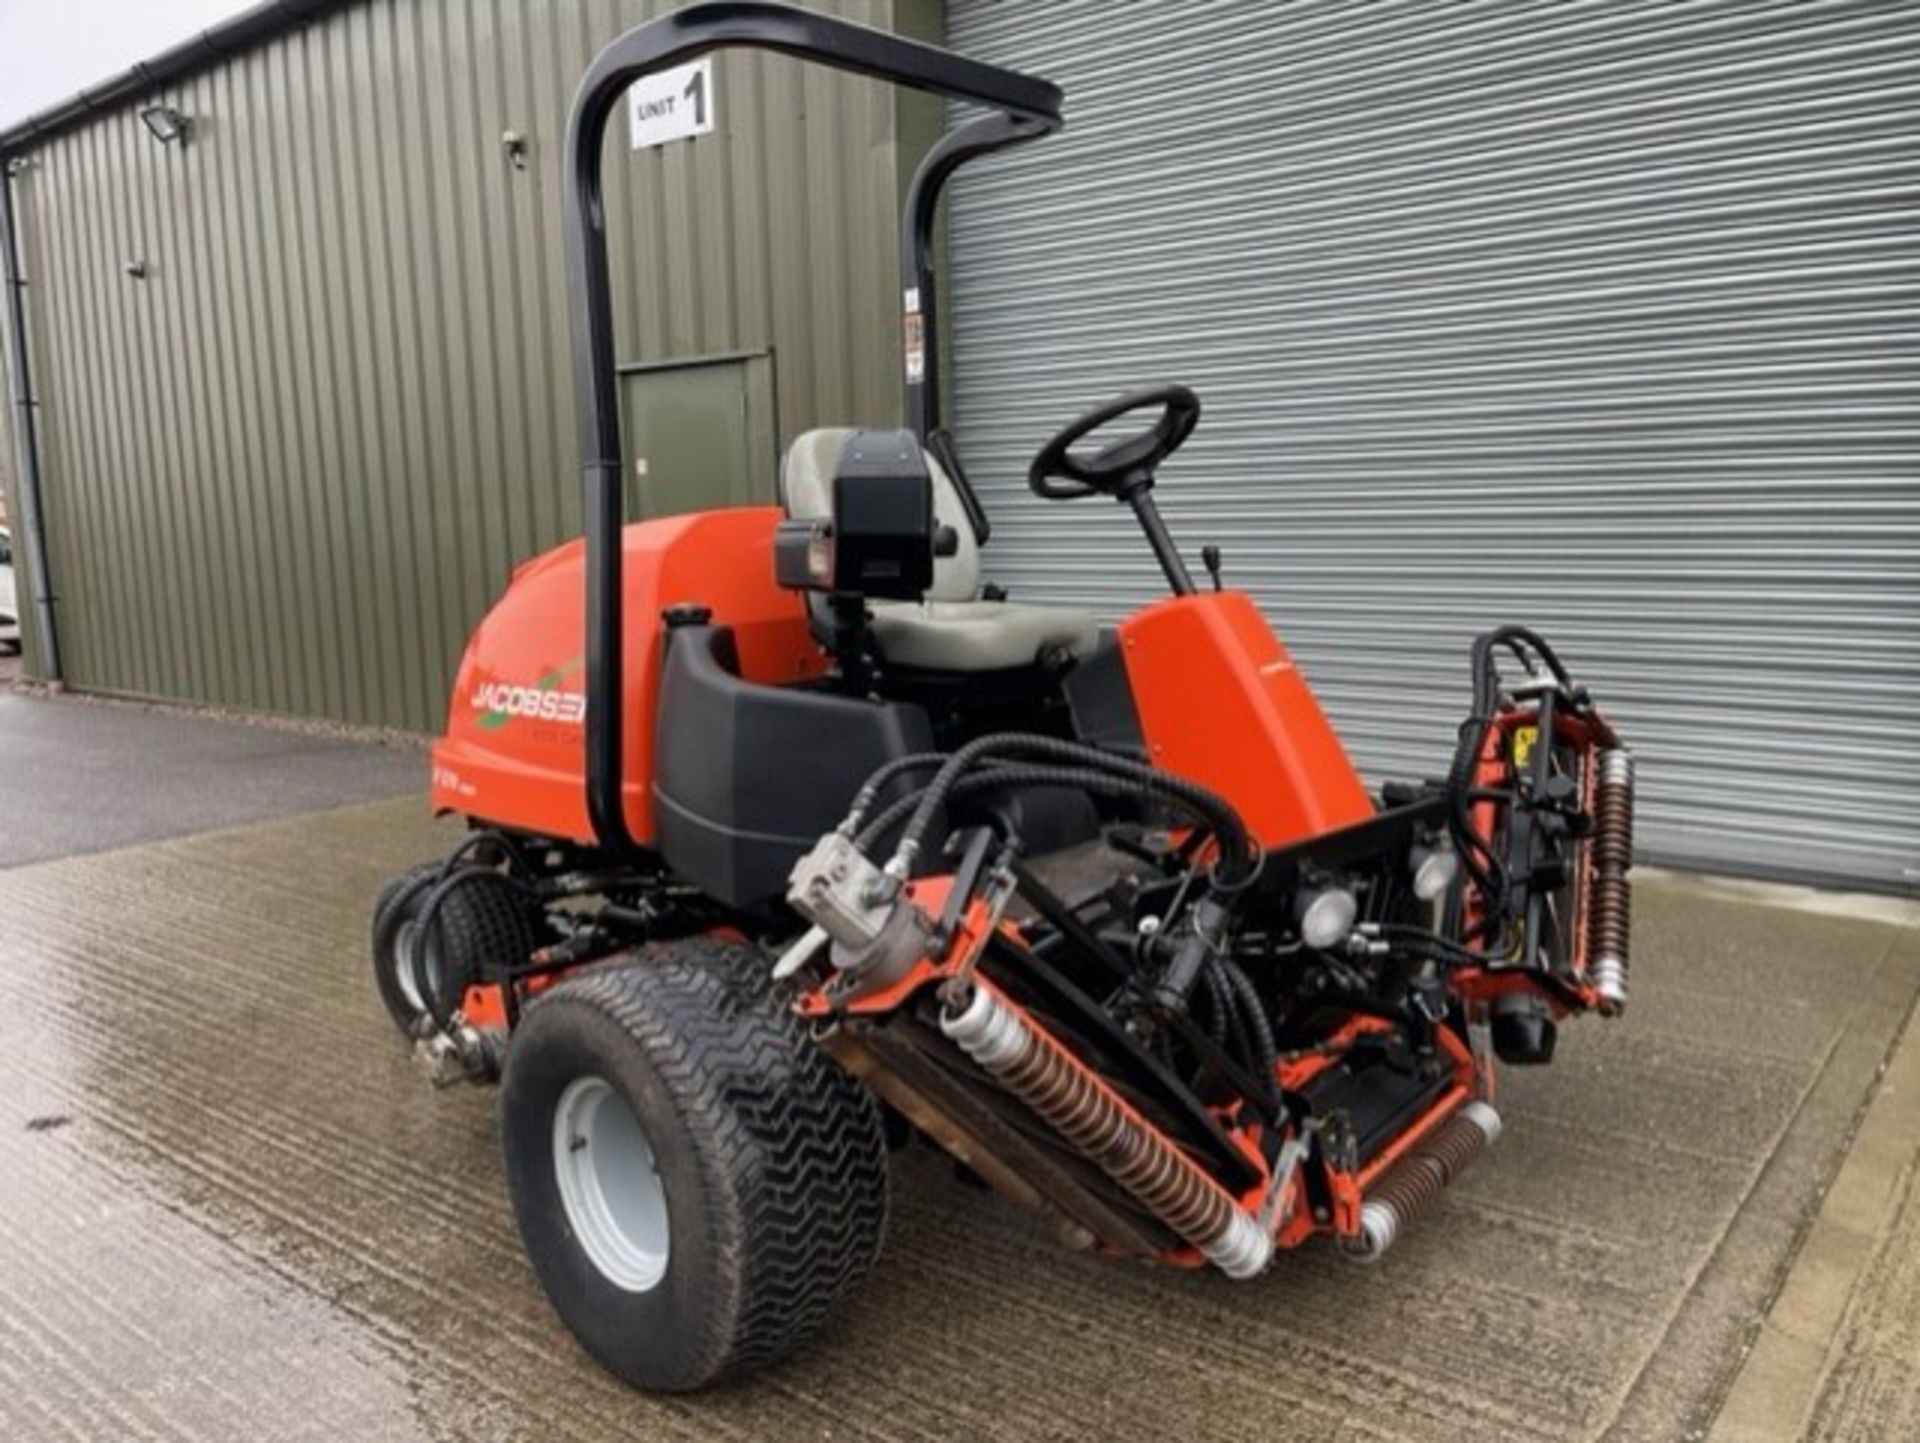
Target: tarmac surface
<point x="78" y="775"/>
<point x="234" y="1211"/>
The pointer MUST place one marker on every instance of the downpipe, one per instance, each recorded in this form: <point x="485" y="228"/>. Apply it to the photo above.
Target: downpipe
<point x="1104" y="1129"/>
<point x="27" y="492"/>
<point x="1411" y="1184"/>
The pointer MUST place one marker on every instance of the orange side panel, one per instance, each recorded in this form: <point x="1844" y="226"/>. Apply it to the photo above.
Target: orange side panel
<point x="1223" y="704"/>
<point x="514" y="749"/>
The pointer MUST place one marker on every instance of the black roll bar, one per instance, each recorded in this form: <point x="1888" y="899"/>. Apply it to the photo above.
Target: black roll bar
<point x="1028" y="108"/>
<point x="953" y="150"/>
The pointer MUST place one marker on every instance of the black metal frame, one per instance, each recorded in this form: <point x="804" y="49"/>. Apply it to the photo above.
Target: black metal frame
<point x="1027" y="108"/>
<point x="953" y="150"/>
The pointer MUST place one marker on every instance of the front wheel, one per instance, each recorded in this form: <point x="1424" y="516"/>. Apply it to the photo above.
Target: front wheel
<point x="696" y="1183"/>
<point x="482" y="923"/>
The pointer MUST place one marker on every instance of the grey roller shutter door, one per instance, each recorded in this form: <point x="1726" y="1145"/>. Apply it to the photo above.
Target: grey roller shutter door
<point x="1600" y="316"/>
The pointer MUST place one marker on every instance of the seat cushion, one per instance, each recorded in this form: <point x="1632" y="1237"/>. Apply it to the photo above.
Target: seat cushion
<point x="978" y="635"/>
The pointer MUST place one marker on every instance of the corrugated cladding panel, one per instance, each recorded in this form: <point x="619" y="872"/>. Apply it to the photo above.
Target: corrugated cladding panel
<point x="7" y="504"/>
<point x="1600" y="316"/>
<point x="290" y="468"/>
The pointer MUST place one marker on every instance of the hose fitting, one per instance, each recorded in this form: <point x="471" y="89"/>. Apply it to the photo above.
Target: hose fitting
<point x="1087" y="1112"/>
<point x="1610" y="901"/>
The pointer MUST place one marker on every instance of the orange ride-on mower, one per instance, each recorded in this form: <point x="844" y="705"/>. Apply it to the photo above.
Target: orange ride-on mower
<point x="790" y="841"/>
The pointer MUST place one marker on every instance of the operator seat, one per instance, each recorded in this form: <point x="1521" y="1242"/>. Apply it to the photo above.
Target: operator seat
<point x="954" y="628"/>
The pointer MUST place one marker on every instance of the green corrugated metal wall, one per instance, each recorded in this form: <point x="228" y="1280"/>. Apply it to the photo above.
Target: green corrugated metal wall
<point x="290" y="468"/>
<point x="6" y="448"/>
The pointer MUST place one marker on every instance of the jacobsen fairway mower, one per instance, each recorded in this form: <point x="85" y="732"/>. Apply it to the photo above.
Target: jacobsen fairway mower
<point x="790" y="839"/>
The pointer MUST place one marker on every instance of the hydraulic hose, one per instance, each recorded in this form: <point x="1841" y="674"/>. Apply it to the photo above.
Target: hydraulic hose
<point x="1486" y="869"/>
<point x="896" y="811"/>
<point x="1024" y="774"/>
<point x="1265" y="1059"/>
<point x="439" y="1005"/>
<point x="1238" y="861"/>
<point x="1219" y="1021"/>
<point x="934" y="794"/>
<point x="872" y="786"/>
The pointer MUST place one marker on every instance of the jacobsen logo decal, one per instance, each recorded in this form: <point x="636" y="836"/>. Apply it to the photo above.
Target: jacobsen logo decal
<point x="500" y="702"/>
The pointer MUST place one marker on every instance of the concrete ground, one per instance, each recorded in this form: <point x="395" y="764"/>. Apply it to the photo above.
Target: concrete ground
<point x="232" y="1210"/>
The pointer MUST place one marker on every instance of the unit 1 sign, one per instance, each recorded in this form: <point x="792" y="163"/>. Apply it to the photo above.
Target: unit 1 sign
<point x="674" y="104"/>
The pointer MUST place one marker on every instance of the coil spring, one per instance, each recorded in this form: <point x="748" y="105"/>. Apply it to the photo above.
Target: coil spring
<point x="1412" y="1184"/>
<point x="1086" y="1113"/>
<point x="1610" y="904"/>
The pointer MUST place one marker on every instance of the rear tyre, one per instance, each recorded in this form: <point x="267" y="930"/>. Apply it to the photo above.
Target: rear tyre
<point x="696" y="1183"/>
<point x="482" y="922"/>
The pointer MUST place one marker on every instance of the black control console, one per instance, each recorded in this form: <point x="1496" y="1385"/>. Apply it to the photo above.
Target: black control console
<point x="881" y="539"/>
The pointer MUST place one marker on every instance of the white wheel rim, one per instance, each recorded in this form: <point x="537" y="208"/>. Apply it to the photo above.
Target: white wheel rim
<point x="413" y="957"/>
<point x="610" y="1185"/>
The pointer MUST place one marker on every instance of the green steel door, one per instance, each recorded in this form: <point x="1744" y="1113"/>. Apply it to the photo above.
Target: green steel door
<point x="699" y="436"/>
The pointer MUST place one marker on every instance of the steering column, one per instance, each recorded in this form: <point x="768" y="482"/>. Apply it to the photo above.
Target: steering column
<point x="1124" y="469"/>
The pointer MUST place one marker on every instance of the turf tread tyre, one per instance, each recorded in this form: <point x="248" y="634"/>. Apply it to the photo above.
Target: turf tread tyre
<point x="774" y="1161"/>
<point x="742" y="968"/>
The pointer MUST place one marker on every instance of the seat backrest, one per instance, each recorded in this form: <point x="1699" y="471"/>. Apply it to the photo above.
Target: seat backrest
<point x="806" y="489"/>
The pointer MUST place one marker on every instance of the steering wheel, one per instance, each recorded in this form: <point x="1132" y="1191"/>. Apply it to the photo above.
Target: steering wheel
<point x="1123" y="467"/>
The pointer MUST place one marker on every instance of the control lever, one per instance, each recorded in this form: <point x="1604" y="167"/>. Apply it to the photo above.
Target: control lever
<point x="1210" y="558"/>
